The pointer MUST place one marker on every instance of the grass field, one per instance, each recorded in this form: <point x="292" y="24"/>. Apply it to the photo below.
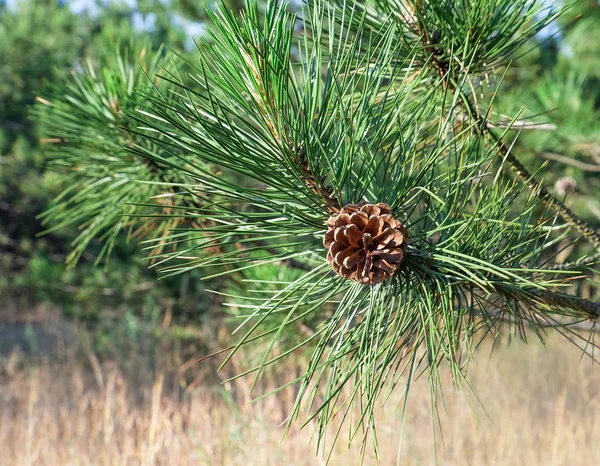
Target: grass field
<point x="542" y="407"/>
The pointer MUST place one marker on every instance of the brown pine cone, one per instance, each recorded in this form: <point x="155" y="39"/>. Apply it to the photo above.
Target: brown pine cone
<point x="365" y="242"/>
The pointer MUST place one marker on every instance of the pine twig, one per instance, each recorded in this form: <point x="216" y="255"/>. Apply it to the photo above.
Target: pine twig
<point x="591" y="308"/>
<point x="540" y="191"/>
<point x="537" y="188"/>
<point x="515" y="125"/>
<point x="578" y="263"/>
<point x="324" y="193"/>
<point x="442" y="68"/>
<point x="578" y="326"/>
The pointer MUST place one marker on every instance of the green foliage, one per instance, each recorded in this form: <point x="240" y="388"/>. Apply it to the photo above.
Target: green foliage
<point x="264" y="135"/>
<point x="558" y="89"/>
<point x="38" y="44"/>
<point x="462" y="37"/>
<point x="364" y="115"/>
<point x="42" y="42"/>
<point x="104" y="186"/>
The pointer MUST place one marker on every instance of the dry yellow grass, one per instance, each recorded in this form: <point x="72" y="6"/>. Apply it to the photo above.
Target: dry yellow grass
<point x="542" y="409"/>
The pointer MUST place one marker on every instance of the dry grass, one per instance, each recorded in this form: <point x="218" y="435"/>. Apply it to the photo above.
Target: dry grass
<point x="542" y="409"/>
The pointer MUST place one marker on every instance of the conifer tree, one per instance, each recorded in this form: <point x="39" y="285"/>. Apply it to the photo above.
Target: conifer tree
<point x="362" y="157"/>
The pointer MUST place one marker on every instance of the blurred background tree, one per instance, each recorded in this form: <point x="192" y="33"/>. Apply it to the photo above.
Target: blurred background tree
<point x="43" y="42"/>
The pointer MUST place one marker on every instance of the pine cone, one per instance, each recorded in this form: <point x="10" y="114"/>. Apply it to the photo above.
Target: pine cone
<point x="365" y="242"/>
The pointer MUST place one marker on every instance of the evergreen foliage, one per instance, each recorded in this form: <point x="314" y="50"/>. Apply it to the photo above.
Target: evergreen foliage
<point x="103" y="190"/>
<point x="44" y="43"/>
<point x="263" y="135"/>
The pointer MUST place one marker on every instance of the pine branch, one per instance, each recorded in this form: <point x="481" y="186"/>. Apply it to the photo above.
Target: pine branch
<point x="268" y="150"/>
<point x="326" y="194"/>
<point x="584" y="262"/>
<point x="442" y="68"/>
<point x="536" y="187"/>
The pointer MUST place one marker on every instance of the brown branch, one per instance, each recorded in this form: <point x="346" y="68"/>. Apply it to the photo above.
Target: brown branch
<point x="541" y="193"/>
<point x="576" y="264"/>
<point x="263" y="98"/>
<point x="326" y="194"/>
<point x="514" y="125"/>
<point x="590" y="167"/>
<point x="588" y="325"/>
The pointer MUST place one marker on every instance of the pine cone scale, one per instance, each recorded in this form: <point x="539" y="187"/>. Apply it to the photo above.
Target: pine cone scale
<point x="360" y="219"/>
<point x="353" y="234"/>
<point x="385" y="237"/>
<point x="340" y="257"/>
<point x="356" y="258"/>
<point x="374" y="226"/>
